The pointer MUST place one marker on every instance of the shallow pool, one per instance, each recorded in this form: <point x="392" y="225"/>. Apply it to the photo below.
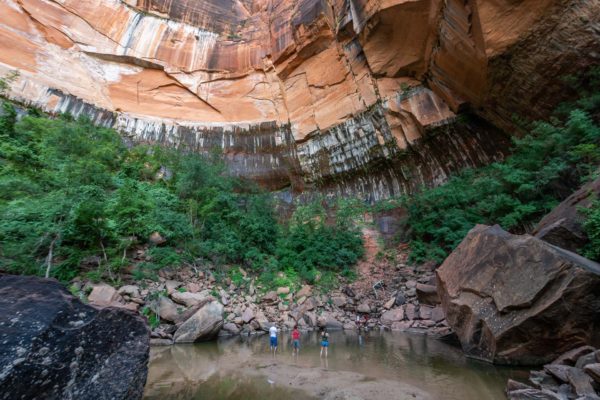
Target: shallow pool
<point x="372" y="366"/>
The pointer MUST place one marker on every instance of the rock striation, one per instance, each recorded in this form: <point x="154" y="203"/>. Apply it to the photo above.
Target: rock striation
<point x="55" y="347"/>
<point x="517" y="299"/>
<point x="357" y="96"/>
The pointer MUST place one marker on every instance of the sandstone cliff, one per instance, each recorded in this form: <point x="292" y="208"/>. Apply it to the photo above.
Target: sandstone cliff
<point x="346" y="96"/>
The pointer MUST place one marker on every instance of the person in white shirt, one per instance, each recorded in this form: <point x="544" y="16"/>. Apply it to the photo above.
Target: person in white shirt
<point x="273" y="338"/>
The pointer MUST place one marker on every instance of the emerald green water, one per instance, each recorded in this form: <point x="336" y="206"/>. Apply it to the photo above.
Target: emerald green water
<point x="378" y="365"/>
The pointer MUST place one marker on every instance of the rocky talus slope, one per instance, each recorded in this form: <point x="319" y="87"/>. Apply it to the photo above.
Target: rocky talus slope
<point x="343" y="96"/>
<point x="191" y="305"/>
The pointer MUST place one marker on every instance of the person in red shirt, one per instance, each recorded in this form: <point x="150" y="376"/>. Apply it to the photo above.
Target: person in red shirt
<point x="295" y="340"/>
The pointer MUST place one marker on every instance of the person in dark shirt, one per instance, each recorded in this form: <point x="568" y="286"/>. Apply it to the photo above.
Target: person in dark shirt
<point x="324" y="341"/>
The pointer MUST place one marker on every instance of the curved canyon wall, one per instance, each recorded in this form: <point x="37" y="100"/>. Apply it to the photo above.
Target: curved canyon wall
<point x="359" y="97"/>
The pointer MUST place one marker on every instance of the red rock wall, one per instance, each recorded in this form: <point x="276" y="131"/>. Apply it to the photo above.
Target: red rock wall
<point x="305" y="94"/>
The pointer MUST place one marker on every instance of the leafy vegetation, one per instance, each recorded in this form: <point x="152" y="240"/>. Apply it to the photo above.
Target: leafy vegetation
<point x="75" y="200"/>
<point x="592" y="228"/>
<point x="545" y="165"/>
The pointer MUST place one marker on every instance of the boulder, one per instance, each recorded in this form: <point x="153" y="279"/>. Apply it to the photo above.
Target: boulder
<point x="264" y="324"/>
<point x="270" y="298"/>
<point x="532" y="394"/>
<point x="247" y="315"/>
<point x="333" y="324"/>
<point x="160" y="342"/>
<point x="129" y="290"/>
<point x="582" y="383"/>
<point x="309" y="304"/>
<point x="55" y="347"/>
<point x="103" y="295"/>
<point x="427" y="294"/>
<point x="329" y="321"/>
<point x="391" y="316"/>
<point x="562" y="227"/>
<point x="571" y="356"/>
<point x="311" y="319"/>
<point x="184" y="315"/>
<point x="390" y="303"/>
<point x="189" y="299"/>
<point x="425" y="312"/>
<point x="437" y="314"/>
<point x="400" y="299"/>
<point x="513" y="385"/>
<point x="586" y="359"/>
<point x="364" y="308"/>
<point x="593" y="370"/>
<point x="305" y="291"/>
<point x="560" y="372"/>
<point x="295" y="314"/>
<point x="339" y="301"/>
<point x="231" y="328"/>
<point x="543" y="380"/>
<point x="193" y="287"/>
<point x="502" y="292"/>
<point x="401" y="325"/>
<point x="172" y="286"/>
<point x="348" y="291"/>
<point x="411" y="312"/>
<point x="349" y="326"/>
<point x="203" y="325"/>
<point x="167" y="309"/>
<point x="283" y="290"/>
<point x="157" y="239"/>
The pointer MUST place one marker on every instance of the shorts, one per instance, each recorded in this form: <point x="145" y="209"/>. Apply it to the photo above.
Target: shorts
<point x="273" y="341"/>
<point x="296" y="343"/>
<point x="325" y="343"/>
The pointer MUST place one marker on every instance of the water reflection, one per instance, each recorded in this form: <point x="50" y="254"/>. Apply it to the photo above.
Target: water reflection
<point x="242" y="368"/>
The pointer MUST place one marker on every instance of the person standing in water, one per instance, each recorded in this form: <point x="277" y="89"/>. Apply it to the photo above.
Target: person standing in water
<point x="295" y="340"/>
<point x="324" y="341"/>
<point x="273" y="338"/>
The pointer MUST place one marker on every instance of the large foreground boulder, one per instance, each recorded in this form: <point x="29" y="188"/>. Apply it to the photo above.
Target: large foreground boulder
<point x="52" y="346"/>
<point x="518" y="300"/>
<point x="205" y="324"/>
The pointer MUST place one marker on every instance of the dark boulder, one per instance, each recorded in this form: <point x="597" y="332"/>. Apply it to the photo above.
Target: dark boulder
<point x="518" y="300"/>
<point x="55" y="347"/>
<point x="562" y="227"/>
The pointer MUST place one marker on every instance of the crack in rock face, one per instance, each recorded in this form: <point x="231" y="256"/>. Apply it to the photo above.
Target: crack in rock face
<point x="303" y="95"/>
<point x="55" y="347"/>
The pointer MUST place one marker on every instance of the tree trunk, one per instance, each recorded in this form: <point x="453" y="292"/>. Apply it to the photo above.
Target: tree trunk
<point x="49" y="257"/>
<point x="110" y="275"/>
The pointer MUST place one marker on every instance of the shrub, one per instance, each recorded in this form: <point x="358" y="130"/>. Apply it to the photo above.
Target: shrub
<point x="591" y="226"/>
<point x="73" y="190"/>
